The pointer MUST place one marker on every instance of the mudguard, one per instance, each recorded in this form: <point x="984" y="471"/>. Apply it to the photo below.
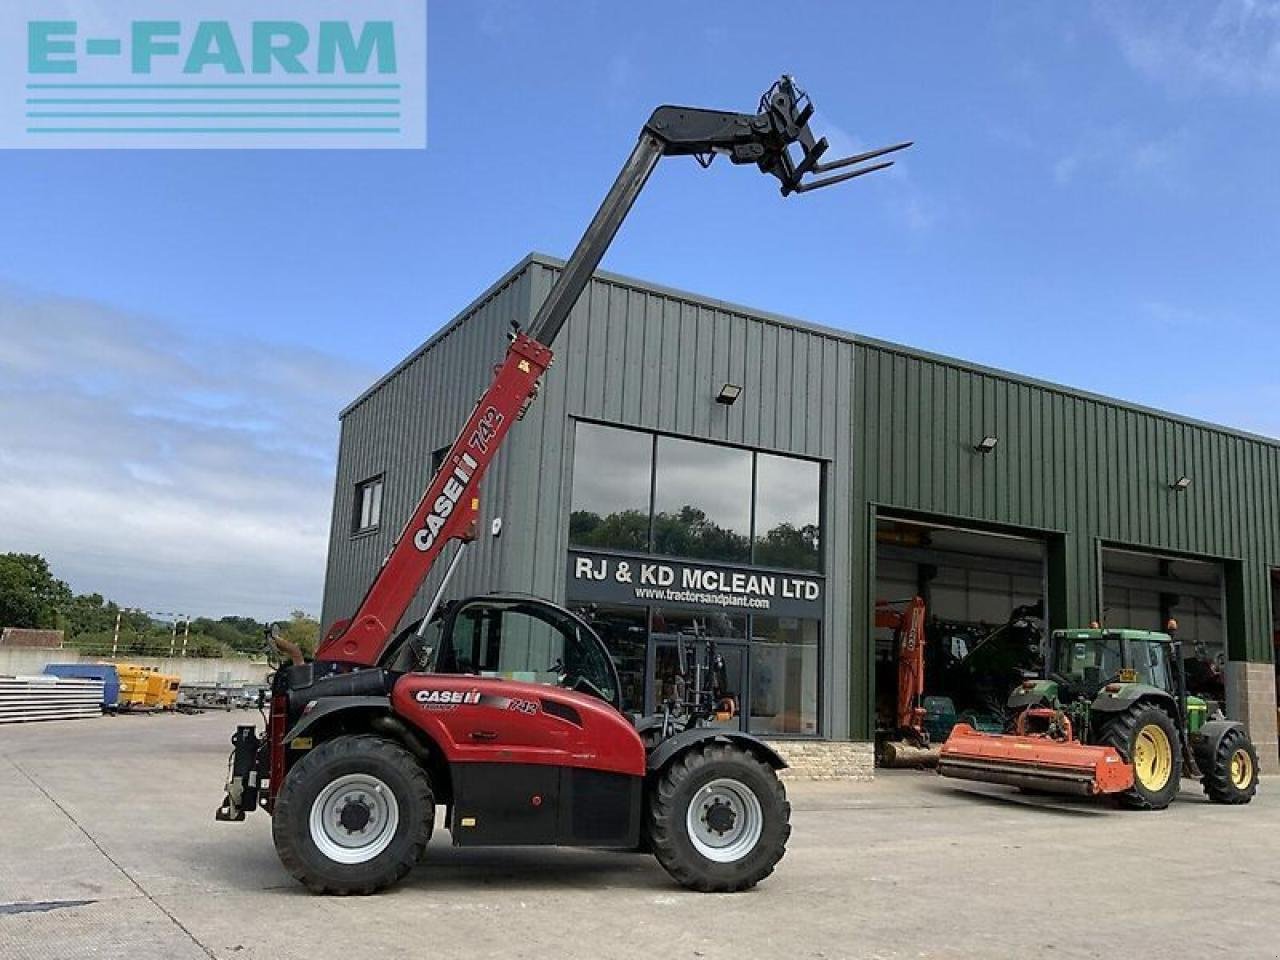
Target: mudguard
<point x="1204" y="743"/>
<point x="1130" y="693"/>
<point x="325" y="707"/>
<point x="666" y="751"/>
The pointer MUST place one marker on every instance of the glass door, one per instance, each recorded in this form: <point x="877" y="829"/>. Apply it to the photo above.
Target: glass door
<point x="663" y="672"/>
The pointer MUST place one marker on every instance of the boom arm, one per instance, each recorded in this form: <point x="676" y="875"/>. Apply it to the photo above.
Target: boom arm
<point x="451" y="502"/>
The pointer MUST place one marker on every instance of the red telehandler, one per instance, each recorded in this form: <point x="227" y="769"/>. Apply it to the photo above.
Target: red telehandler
<point x="506" y="710"/>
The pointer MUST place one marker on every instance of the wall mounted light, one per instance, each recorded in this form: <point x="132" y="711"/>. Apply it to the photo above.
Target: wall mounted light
<point x="986" y="444"/>
<point x="728" y="394"/>
<point x="1180" y="484"/>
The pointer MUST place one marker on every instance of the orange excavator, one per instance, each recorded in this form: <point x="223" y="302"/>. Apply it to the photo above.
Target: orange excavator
<point x="908" y="745"/>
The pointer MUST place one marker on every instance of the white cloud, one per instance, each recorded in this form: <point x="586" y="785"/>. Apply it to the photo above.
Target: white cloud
<point x="1230" y="45"/>
<point x="165" y="471"/>
<point x="1117" y="153"/>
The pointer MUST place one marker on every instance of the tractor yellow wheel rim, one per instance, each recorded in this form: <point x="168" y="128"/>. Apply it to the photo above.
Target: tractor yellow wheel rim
<point x="1152" y="758"/>
<point x="1241" y="769"/>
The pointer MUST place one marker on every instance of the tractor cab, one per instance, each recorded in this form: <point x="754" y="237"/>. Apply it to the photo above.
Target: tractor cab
<point x="1083" y="663"/>
<point x="510" y="638"/>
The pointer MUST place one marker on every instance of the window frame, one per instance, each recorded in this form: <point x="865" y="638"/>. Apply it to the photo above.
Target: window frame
<point x="357" y="510"/>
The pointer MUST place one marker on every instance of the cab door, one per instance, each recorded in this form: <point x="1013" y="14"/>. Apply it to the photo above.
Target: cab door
<point x="516" y="653"/>
<point x="498" y="688"/>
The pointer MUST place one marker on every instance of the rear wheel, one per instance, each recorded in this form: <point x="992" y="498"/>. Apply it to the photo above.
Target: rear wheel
<point x="1148" y="740"/>
<point x="1233" y="777"/>
<point x="718" y="819"/>
<point x="354" y="815"/>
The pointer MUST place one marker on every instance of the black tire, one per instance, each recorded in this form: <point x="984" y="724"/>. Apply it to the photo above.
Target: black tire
<point x="1123" y="731"/>
<point x="679" y="786"/>
<point x="650" y="737"/>
<point x="367" y="756"/>
<point x="1220" y="785"/>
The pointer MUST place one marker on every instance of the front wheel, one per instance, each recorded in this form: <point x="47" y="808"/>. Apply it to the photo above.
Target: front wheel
<point x="354" y="816"/>
<point x="1233" y="778"/>
<point x="718" y="819"/>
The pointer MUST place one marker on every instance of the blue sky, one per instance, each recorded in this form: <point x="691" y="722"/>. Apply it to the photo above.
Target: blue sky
<point x="1092" y="199"/>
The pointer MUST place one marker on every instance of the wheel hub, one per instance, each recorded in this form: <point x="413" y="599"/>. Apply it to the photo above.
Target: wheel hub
<point x="724" y="820"/>
<point x="354" y="818"/>
<point x="1241" y="769"/>
<point x="720" y="816"/>
<point x="355" y="815"/>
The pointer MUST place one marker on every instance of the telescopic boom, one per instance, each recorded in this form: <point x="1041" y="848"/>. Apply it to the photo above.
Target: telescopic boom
<point x="450" y="506"/>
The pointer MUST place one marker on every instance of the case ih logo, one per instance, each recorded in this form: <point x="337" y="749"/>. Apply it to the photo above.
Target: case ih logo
<point x="425" y="538"/>
<point x="447" y="698"/>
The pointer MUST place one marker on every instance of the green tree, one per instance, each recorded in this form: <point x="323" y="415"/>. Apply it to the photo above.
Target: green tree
<point x="30" y="594"/>
<point x="787" y="545"/>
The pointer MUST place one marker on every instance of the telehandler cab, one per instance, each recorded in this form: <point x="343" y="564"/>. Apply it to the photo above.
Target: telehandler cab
<point x="506" y="710"/>
<point x="1111" y="716"/>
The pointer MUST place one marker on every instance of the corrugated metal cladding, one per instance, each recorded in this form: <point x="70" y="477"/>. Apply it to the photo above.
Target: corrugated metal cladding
<point x="895" y="427"/>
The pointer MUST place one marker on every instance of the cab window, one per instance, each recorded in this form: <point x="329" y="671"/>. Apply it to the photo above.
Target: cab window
<point x="529" y="642"/>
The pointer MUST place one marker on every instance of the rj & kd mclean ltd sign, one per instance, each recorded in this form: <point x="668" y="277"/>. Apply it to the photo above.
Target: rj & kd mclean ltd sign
<point x="605" y="578"/>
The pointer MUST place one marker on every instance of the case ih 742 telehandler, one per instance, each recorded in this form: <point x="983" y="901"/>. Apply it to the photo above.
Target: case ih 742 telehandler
<point x="1111" y="716"/>
<point x="506" y="709"/>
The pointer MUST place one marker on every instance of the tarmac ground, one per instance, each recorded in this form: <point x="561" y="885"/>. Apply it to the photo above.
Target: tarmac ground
<point x="110" y="850"/>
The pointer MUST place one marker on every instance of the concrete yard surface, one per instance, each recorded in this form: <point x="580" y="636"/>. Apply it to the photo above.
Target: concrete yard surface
<point x="110" y="850"/>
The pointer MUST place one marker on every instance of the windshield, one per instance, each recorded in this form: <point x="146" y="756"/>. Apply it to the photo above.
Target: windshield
<point x="1151" y="663"/>
<point x="527" y="641"/>
<point x="1089" y="663"/>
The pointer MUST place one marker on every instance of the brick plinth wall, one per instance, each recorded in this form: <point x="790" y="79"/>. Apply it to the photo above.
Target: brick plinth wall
<point x="1251" y="698"/>
<point x="826" y="759"/>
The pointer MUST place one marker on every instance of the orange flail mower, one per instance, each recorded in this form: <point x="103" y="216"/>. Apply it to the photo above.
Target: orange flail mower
<point x="1034" y="762"/>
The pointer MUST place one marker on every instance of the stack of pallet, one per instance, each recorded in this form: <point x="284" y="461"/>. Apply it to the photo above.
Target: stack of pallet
<point x="49" y="698"/>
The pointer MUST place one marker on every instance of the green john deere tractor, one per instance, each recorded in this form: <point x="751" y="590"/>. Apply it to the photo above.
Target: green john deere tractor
<point x="1111" y="716"/>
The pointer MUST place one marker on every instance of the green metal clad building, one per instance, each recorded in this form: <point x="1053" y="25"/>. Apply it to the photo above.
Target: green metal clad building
<point x="634" y="491"/>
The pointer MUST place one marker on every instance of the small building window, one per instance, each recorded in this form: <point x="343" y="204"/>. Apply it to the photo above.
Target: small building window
<point x="368" y="505"/>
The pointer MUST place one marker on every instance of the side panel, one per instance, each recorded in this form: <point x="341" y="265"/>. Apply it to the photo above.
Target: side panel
<point x="498" y="804"/>
<point x="489" y="720"/>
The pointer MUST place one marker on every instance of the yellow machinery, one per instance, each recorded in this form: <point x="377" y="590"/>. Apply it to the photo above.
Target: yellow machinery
<point x="133" y="685"/>
<point x="146" y="687"/>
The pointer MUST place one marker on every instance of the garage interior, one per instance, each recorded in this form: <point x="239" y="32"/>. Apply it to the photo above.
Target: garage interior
<point x="1143" y="591"/>
<point x="982" y="595"/>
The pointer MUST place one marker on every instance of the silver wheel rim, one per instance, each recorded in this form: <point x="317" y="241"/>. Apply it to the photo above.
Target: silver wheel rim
<point x="724" y="820"/>
<point x="354" y="818"/>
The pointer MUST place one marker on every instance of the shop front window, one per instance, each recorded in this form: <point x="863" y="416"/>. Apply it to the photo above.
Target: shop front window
<point x="787" y="528"/>
<point x="702" y="501"/>
<point x="612" y="474"/>
<point x="784" y="676"/>
<point x="717" y="624"/>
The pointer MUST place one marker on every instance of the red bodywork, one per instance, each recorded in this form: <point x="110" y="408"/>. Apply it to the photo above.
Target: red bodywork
<point x="508" y="721"/>
<point x="1041" y="762"/>
<point x="446" y="511"/>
